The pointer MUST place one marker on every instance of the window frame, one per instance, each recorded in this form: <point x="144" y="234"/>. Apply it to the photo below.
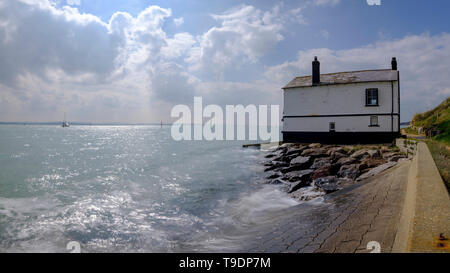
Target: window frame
<point x="377" y="124"/>
<point x="368" y="90"/>
<point x="332" y="124"/>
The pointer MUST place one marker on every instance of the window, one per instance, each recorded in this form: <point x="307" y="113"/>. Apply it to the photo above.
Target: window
<point x="374" y="121"/>
<point x="372" y="97"/>
<point x="332" y="127"/>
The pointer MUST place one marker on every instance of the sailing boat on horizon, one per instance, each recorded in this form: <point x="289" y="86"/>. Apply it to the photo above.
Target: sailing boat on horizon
<point x="65" y="123"/>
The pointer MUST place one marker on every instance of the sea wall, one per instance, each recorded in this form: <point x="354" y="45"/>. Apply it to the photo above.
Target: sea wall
<point x="424" y="224"/>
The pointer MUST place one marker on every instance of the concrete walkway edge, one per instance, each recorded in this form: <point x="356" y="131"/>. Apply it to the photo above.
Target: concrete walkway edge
<point x="424" y="223"/>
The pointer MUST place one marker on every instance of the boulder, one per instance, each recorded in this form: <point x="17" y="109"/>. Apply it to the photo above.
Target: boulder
<point x="315" y="152"/>
<point x="347" y="161"/>
<point x="328" y="184"/>
<point x="336" y="150"/>
<point x="292" y="168"/>
<point x="360" y="154"/>
<point x="314" y="145"/>
<point x="396" y="158"/>
<point x="390" y="154"/>
<point x="320" y="162"/>
<point x="284" y="158"/>
<point x="295" y="151"/>
<point x="298" y="175"/>
<point x="301" y="160"/>
<point x="273" y="176"/>
<point x="276" y="165"/>
<point x="327" y="170"/>
<point x="275" y="182"/>
<point x="372" y="163"/>
<point x="335" y="156"/>
<point x="271" y="155"/>
<point x="374" y="153"/>
<point x="349" y="171"/>
<point x="376" y="170"/>
<point x="298" y="185"/>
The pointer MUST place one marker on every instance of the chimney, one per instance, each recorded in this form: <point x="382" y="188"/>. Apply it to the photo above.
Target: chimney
<point x="394" y="63"/>
<point x="315" y="72"/>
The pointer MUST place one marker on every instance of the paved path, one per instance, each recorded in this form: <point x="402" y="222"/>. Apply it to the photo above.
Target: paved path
<point x="345" y="222"/>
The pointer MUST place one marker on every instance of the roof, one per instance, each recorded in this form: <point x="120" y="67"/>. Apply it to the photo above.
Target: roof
<point x="346" y="77"/>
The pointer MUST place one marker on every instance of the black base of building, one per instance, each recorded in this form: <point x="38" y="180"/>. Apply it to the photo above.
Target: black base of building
<point x="340" y="137"/>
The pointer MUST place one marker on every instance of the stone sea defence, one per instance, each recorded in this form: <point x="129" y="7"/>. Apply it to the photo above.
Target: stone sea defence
<point x="307" y="171"/>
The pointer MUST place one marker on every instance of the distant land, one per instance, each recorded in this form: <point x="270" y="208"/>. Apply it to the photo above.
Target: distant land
<point x="80" y="123"/>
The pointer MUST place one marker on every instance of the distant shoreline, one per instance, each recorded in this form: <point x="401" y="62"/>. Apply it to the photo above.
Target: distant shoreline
<point x="58" y="123"/>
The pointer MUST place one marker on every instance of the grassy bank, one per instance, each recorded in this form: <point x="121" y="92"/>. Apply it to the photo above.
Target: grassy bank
<point x="435" y="122"/>
<point x="441" y="156"/>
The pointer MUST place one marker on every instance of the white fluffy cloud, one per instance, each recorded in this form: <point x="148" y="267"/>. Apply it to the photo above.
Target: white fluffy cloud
<point x="178" y="21"/>
<point x="58" y="60"/>
<point x="422" y="66"/>
<point x="245" y="34"/>
<point x="74" y="2"/>
<point x="326" y="2"/>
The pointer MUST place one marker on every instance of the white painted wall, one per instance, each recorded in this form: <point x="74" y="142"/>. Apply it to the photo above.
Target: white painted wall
<point x="339" y="99"/>
<point x="343" y="124"/>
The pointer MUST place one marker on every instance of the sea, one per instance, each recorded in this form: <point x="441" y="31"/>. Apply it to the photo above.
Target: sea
<point x="129" y="189"/>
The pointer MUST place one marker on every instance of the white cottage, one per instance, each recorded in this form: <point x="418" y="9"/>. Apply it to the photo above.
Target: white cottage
<point x="344" y="107"/>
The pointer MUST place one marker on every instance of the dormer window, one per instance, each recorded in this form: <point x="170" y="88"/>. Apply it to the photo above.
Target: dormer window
<point x="372" y="97"/>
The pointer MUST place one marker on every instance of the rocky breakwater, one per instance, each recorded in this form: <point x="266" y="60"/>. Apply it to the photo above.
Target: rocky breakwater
<point x="308" y="171"/>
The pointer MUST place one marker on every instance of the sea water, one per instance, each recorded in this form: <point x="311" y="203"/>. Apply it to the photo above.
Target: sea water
<point x="129" y="189"/>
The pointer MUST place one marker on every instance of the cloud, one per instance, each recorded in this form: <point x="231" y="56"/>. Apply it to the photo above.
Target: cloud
<point x="244" y="35"/>
<point x="57" y="60"/>
<point x="73" y="2"/>
<point x="39" y="39"/>
<point x="178" y="21"/>
<point x="423" y="71"/>
<point x="326" y="2"/>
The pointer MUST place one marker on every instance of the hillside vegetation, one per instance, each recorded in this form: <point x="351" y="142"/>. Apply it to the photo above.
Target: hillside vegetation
<point x="435" y="123"/>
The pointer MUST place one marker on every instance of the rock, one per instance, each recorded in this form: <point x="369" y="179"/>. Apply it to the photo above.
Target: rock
<point x="283" y="158"/>
<point x="298" y="175"/>
<point x="295" y="151"/>
<point x="320" y="162"/>
<point x="372" y="163"/>
<point x="391" y="154"/>
<point x="271" y="155"/>
<point x="315" y="152"/>
<point x="302" y="160"/>
<point x="374" y="153"/>
<point x="347" y="161"/>
<point x="336" y="150"/>
<point x="298" y="185"/>
<point x="396" y="158"/>
<point x="349" y="171"/>
<point x="292" y="168"/>
<point x="276" y="165"/>
<point x="359" y="154"/>
<point x="328" y="184"/>
<point x="335" y="156"/>
<point x="327" y="170"/>
<point x="273" y="176"/>
<point x="275" y="182"/>
<point x="314" y="145"/>
<point x="376" y="170"/>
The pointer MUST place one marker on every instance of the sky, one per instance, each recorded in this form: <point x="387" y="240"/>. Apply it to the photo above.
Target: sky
<point x="132" y="61"/>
